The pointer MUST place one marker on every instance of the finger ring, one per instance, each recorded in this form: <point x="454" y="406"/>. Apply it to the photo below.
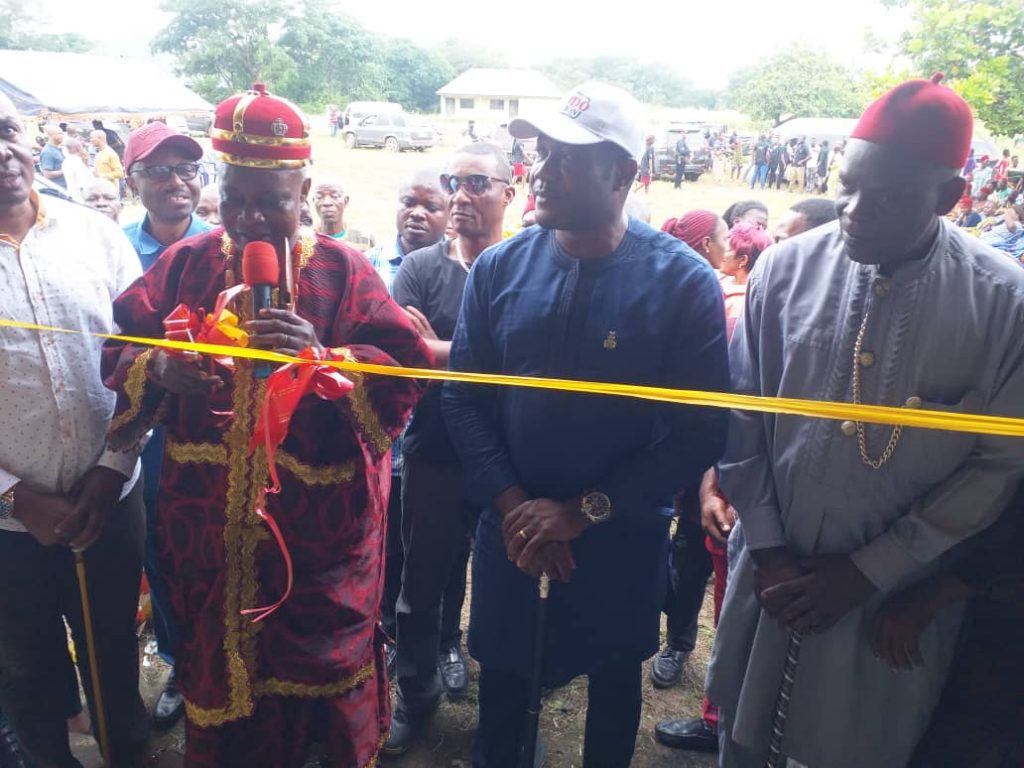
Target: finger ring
<point x="522" y="533"/>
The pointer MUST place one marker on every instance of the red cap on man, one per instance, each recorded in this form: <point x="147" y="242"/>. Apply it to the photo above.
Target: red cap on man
<point x="146" y="140"/>
<point x="258" y="130"/>
<point x="928" y="120"/>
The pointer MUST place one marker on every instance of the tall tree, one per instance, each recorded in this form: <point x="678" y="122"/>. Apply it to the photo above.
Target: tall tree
<point x="224" y="46"/>
<point x="20" y="31"/>
<point x="336" y="59"/>
<point x="980" y="46"/>
<point x="414" y="74"/>
<point x="653" y="83"/>
<point x="797" y="83"/>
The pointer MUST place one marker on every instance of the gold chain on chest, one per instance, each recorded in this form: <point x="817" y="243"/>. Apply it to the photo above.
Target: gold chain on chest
<point x="862" y="440"/>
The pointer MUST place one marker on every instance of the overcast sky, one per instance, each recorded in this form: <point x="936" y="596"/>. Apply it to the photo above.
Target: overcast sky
<point x="704" y="41"/>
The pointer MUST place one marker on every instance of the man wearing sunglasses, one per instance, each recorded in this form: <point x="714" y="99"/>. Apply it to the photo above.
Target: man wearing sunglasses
<point x="435" y="518"/>
<point x="163" y="170"/>
<point x="572" y="485"/>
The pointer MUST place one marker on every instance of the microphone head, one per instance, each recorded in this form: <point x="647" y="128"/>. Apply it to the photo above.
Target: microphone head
<point x="259" y="264"/>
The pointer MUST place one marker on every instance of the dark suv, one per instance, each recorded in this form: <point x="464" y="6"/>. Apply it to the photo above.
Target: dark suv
<point x="665" y="154"/>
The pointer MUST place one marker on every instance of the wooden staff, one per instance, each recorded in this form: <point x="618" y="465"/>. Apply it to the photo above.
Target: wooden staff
<point x="536" y="676"/>
<point x="775" y="757"/>
<point x="94" y="664"/>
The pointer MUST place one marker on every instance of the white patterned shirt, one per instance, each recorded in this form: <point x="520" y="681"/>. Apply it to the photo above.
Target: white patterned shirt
<point x="54" y="409"/>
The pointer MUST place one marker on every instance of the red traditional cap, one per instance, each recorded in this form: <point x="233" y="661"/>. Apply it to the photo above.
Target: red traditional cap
<point x="258" y="130"/>
<point x="925" y="118"/>
<point x="144" y="141"/>
<point x="966" y="201"/>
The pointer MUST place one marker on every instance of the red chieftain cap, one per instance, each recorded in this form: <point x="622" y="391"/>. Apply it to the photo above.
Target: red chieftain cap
<point x="925" y="118"/>
<point x="258" y="130"/>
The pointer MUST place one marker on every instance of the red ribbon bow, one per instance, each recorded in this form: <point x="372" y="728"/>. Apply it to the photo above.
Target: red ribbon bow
<point x="217" y="327"/>
<point x="285" y="388"/>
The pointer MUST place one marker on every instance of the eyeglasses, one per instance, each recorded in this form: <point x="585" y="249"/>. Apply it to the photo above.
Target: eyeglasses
<point x="184" y="171"/>
<point x="475" y="183"/>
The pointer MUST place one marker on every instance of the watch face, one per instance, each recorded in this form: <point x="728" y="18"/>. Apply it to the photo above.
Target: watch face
<point x="596" y="506"/>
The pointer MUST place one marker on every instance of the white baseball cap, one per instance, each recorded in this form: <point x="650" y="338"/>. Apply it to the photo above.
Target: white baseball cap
<point x="592" y="113"/>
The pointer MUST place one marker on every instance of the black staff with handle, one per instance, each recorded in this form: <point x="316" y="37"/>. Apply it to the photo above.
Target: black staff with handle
<point x="775" y="757"/>
<point x="533" y="709"/>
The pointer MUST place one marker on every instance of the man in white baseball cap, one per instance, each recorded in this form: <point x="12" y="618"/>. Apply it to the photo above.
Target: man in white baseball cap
<point x="572" y="485"/>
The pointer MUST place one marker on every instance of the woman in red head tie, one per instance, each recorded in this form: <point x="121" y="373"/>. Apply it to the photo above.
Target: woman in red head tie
<point x="703" y="231"/>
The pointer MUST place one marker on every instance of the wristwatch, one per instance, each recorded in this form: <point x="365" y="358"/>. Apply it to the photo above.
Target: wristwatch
<point x="596" y="506"/>
<point x="7" y="505"/>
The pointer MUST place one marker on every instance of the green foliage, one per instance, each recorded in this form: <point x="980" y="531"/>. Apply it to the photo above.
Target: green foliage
<point x="980" y="46"/>
<point x="652" y="83"/>
<point x="797" y="83"/>
<point x="224" y="46"/>
<point x="18" y="32"/>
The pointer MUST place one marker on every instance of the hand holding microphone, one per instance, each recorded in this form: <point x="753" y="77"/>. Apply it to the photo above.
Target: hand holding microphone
<point x="280" y="330"/>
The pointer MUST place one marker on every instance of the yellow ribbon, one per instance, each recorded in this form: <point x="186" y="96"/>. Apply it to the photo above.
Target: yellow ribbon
<point x="874" y="414"/>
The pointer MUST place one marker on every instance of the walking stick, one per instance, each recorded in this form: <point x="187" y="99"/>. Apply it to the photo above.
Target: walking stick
<point x="94" y="665"/>
<point x="533" y="708"/>
<point x="775" y="757"/>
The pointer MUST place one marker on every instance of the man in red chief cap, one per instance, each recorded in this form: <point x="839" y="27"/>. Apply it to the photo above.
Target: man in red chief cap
<point x="259" y="692"/>
<point x="892" y="305"/>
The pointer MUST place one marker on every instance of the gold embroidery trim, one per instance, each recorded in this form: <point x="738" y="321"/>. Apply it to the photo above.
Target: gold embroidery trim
<point x="253" y="162"/>
<point x="274" y="687"/>
<point x="252" y="138"/>
<point x="197" y="453"/>
<point x="134" y="387"/>
<point x="239" y="576"/>
<point x="333" y="474"/>
<point x="373" y="430"/>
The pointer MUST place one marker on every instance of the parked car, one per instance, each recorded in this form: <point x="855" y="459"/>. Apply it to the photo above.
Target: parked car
<point x="665" y="154"/>
<point x="394" y="132"/>
<point x="357" y="110"/>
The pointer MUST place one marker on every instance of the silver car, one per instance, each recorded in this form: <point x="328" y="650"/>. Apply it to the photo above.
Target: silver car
<point x="394" y="132"/>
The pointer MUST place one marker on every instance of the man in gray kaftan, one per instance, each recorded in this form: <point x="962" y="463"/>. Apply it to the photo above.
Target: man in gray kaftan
<point x="824" y="536"/>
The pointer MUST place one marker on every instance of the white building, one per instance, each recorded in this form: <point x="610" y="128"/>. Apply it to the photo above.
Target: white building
<point x="497" y="95"/>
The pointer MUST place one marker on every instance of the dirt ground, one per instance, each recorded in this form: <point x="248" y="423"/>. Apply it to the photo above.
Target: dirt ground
<point x="447" y="742"/>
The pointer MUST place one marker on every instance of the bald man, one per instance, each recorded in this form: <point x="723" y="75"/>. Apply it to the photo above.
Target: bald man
<point x="330" y="202"/>
<point x="51" y="159"/>
<point x="106" y="165"/>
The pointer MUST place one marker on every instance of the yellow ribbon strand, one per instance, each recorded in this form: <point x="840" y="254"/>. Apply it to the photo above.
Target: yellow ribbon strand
<point x="873" y="414"/>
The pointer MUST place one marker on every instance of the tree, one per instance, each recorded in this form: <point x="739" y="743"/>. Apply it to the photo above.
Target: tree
<point x="652" y="83"/>
<point x="414" y="74"/>
<point x="797" y="83"/>
<point x="224" y="46"/>
<point x="979" y="45"/>
<point x="18" y="32"/>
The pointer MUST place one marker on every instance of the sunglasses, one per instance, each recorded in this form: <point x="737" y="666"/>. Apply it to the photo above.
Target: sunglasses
<point x="184" y="171"/>
<point x="475" y="183"/>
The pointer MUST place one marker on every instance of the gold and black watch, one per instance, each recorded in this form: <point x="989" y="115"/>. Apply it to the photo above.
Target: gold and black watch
<point x="596" y="506"/>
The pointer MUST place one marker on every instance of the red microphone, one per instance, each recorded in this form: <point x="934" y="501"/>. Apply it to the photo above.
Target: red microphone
<point x="261" y="273"/>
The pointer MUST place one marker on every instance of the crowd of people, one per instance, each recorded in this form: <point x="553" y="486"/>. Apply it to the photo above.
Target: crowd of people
<point x="306" y="536"/>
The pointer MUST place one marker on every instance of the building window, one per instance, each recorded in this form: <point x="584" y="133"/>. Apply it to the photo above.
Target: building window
<point x="498" y="104"/>
<point x="465" y="103"/>
<point x="449" y="105"/>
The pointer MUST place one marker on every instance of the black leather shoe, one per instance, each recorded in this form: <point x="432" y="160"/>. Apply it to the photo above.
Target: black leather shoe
<point x="390" y="659"/>
<point x="170" y="706"/>
<point x="454" y="673"/>
<point x="693" y="734"/>
<point x="11" y="755"/>
<point x="405" y="730"/>
<point x="667" y="668"/>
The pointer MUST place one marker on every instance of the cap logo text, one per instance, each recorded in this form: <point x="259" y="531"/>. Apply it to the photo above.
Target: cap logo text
<point x="577" y="104"/>
<point x="279" y="127"/>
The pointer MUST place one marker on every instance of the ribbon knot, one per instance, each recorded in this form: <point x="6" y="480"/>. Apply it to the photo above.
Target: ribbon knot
<point x="217" y="327"/>
<point x="285" y="388"/>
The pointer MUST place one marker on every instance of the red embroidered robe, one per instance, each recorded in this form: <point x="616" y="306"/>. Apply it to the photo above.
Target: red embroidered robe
<point x="218" y="557"/>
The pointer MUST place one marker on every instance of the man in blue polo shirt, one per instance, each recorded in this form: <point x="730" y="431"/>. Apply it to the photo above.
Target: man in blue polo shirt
<point x="51" y="159"/>
<point x="163" y="170"/>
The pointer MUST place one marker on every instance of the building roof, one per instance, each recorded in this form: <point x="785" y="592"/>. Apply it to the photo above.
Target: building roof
<point x="84" y="84"/>
<point x="524" y="83"/>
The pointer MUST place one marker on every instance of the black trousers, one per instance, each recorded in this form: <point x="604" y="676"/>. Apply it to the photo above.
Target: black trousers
<point x="435" y="539"/>
<point x="680" y="171"/>
<point x="40" y="590"/>
<point x="689" y="570"/>
<point x="613" y="717"/>
<point x="454" y="591"/>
